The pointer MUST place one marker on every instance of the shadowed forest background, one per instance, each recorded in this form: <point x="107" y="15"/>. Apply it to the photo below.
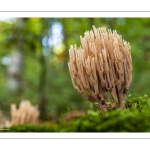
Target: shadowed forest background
<point x="34" y="60"/>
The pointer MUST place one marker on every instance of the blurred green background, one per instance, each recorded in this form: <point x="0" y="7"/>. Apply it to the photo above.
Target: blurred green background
<point x="34" y="60"/>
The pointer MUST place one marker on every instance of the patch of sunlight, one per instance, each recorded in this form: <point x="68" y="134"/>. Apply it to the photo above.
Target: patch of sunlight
<point x="59" y="49"/>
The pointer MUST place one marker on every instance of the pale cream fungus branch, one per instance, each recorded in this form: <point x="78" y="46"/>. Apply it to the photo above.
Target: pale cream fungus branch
<point x="102" y="66"/>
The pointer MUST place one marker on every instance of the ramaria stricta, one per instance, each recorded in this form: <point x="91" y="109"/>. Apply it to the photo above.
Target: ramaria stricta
<point x="101" y="67"/>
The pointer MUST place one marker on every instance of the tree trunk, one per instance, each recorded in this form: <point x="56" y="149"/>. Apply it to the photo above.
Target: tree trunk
<point x="42" y="88"/>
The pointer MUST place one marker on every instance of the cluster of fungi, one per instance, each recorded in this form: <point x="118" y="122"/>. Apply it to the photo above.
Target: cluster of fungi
<point x="26" y="113"/>
<point x="102" y="68"/>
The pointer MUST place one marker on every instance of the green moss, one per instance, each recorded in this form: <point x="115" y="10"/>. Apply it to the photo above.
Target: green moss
<point x="31" y="128"/>
<point x="135" y="118"/>
<point x="113" y="121"/>
<point x="139" y="103"/>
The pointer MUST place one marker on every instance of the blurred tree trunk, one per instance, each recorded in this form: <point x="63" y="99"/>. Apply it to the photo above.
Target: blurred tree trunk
<point x="16" y="69"/>
<point x="43" y="77"/>
<point x="14" y="72"/>
<point x="42" y="88"/>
